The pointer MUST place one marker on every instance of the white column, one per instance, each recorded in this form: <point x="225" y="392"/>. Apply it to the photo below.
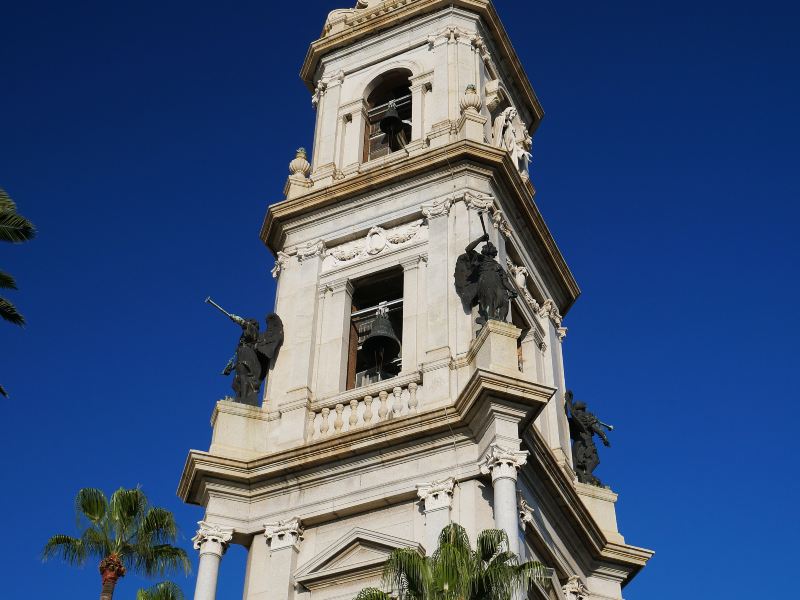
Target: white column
<point x="283" y="539"/>
<point x="411" y="313"/>
<point x="502" y="464"/>
<point x="438" y="498"/>
<point x="212" y="541"/>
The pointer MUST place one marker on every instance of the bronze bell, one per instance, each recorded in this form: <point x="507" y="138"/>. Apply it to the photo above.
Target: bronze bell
<point x="391" y="124"/>
<point x="381" y="341"/>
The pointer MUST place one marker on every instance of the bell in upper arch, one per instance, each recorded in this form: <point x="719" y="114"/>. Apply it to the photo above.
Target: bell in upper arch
<point x="391" y="124"/>
<point x="382" y="343"/>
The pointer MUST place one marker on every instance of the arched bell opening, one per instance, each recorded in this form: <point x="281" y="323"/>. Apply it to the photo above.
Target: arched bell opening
<point x="388" y="125"/>
<point x="376" y="329"/>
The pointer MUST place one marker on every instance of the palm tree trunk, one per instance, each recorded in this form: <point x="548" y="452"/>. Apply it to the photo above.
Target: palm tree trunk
<point x="107" y="592"/>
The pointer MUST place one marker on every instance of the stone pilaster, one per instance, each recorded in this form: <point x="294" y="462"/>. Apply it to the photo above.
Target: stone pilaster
<point x="438" y="499"/>
<point x="211" y="541"/>
<point x="502" y="465"/>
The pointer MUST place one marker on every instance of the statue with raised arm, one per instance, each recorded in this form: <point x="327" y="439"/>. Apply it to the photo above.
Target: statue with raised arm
<point x="481" y="280"/>
<point x="254" y="355"/>
<point x="583" y="426"/>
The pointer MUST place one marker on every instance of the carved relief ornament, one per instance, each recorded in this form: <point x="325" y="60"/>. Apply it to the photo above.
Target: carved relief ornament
<point x="574" y="589"/>
<point x="519" y="277"/>
<point x="377" y="241"/>
<point x="283" y="534"/>
<point x="502" y="463"/>
<point x="486" y="203"/>
<point x="208" y="533"/>
<point x="438" y="494"/>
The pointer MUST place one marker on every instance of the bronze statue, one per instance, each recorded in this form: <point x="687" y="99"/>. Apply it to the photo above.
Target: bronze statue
<point x="481" y="280"/>
<point x="254" y="355"/>
<point x="583" y="426"/>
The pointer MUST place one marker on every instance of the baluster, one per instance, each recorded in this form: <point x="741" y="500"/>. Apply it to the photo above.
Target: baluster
<point x="312" y="416"/>
<point x="353" y="413"/>
<point x="412" y="398"/>
<point x="339" y="422"/>
<point x="383" y="410"/>
<point x="397" y="406"/>
<point x="324" y="426"/>
<point x="367" y="410"/>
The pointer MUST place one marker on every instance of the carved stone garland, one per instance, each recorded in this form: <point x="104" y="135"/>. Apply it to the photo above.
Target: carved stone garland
<point x="377" y="241"/>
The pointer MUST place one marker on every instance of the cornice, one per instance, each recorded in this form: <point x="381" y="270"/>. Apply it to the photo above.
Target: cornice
<point x="362" y="24"/>
<point x="458" y="156"/>
<point x="204" y="465"/>
<point x="562" y="489"/>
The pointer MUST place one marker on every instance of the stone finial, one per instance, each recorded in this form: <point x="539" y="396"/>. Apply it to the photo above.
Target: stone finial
<point x="300" y="165"/>
<point x="438" y="494"/>
<point x="283" y="534"/>
<point x="470" y="101"/>
<point x="502" y="463"/>
<point x="212" y="538"/>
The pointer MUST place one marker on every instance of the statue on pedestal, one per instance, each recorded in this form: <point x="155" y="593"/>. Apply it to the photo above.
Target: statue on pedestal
<point x="515" y="139"/>
<point x="583" y="426"/>
<point x="481" y="280"/>
<point x="254" y="355"/>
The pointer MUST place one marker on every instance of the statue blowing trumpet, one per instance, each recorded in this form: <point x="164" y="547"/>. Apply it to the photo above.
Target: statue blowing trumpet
<point x="235" y="318"/>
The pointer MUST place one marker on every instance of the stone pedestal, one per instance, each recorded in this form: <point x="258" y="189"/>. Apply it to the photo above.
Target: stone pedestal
<point x="600" y="502"/>
<point x="239" y="430"/>
<point x="495" y="348"/>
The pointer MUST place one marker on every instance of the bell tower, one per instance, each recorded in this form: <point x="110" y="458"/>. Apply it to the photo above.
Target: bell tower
<point x="398" y="402"/>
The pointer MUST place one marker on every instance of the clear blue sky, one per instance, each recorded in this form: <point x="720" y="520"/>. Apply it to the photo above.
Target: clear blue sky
<point x="145" y="140"/>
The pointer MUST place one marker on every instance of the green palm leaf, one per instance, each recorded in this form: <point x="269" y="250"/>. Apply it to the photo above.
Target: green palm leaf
<point x="7" y="281"/>
<point x="15" y="228"/>
<point x="166" y="590"/>
<point x="71" y="550"/>
<point x="9" y="312"/>
<point x="6" y="203"/>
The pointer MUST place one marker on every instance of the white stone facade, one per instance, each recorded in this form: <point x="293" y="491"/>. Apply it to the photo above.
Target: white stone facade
<point x="325" y="479"/>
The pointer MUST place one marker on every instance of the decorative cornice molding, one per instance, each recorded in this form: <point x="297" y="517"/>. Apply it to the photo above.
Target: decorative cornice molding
<point x="486" y="203"/>
<point x="549" y="310"/>
<point x="440" y="208"/>
<point x="519" y="275"/>
<point x="212" y="538"/>
<point x="437" y="495"/>
<point x="283" y="534"/>
<point x="502" y="463"/>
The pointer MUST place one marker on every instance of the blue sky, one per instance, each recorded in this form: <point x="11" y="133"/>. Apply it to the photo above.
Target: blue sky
<point x="146" y="139"/>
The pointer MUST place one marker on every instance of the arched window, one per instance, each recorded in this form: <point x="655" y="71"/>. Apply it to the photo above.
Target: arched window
<point x="390" y="90"/>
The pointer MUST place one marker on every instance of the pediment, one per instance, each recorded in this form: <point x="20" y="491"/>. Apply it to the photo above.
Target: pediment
<point x="358" y="550"/>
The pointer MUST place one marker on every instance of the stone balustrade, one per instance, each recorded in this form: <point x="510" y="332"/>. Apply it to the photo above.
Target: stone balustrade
<point x="364" y="407"/>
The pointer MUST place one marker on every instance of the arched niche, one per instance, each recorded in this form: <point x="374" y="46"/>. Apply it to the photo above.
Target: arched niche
<point x="391" y="88"/>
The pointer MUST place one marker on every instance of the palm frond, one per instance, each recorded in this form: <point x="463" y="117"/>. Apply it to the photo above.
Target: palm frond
<point x="91" y="503"/>
<point x="6" y="203"/>
<point x="157" y="561"/>
<point x="452" y="570"/>
<point x="96" y="542"/>
<point x="157" y="527"/>
<point x="166" y="590"/>
<point x="455" y="535"/>
<point x="491" y="542"/>
<point x="533" y="570"/>
<point x="15" y="228"/>
<point x="372" y="593"/>
<point x="406" y="572"/>
<point x="126" y="510"/>
<point x="71" y="550"/>
<point x="9" y="312"/>
<point x="7" y="281"/>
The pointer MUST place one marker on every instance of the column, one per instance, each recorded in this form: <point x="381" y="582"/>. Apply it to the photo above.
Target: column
<point x="212" y="541"/>
<point x="438" y="498"/>
<point x="502" y="464"/>
<point x="283" y="539"/>
<point x="411" y="313"/>
<point x="337" y="301"/>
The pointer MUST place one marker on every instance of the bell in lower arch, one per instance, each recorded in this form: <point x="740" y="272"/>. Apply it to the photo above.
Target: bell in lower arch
<point x="382" y="343"/>
<point x="391" y="124"/>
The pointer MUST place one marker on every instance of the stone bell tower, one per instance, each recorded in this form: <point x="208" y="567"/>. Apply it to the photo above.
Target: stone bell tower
<point x="391" y="408"/>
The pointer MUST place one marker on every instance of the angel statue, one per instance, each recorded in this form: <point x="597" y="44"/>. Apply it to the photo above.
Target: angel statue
<point x="481" y="280"/>
<point x="516" y="140"/>
<point x="254" y="355"/>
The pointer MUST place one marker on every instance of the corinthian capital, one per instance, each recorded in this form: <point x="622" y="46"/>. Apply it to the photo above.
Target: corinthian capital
<point x="438" y="494"/>
<point x="502" y="463"/>
<point x="283" y="534"/>
<point x="212" y="538"/>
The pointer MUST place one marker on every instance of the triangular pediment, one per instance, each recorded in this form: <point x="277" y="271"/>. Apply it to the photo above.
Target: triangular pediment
<point x="358" y="550"/>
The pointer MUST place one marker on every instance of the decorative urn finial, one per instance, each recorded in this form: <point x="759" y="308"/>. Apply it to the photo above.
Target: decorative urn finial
<point x="300" y="165"/>
<point x="471" y="100"/>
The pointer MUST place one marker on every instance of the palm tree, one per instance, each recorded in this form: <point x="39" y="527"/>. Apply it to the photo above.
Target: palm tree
<point x="166" y="590"/>
<point x="456" y="571"/>
<point x="14" y="228"/>
<point x="124" y="532"/>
